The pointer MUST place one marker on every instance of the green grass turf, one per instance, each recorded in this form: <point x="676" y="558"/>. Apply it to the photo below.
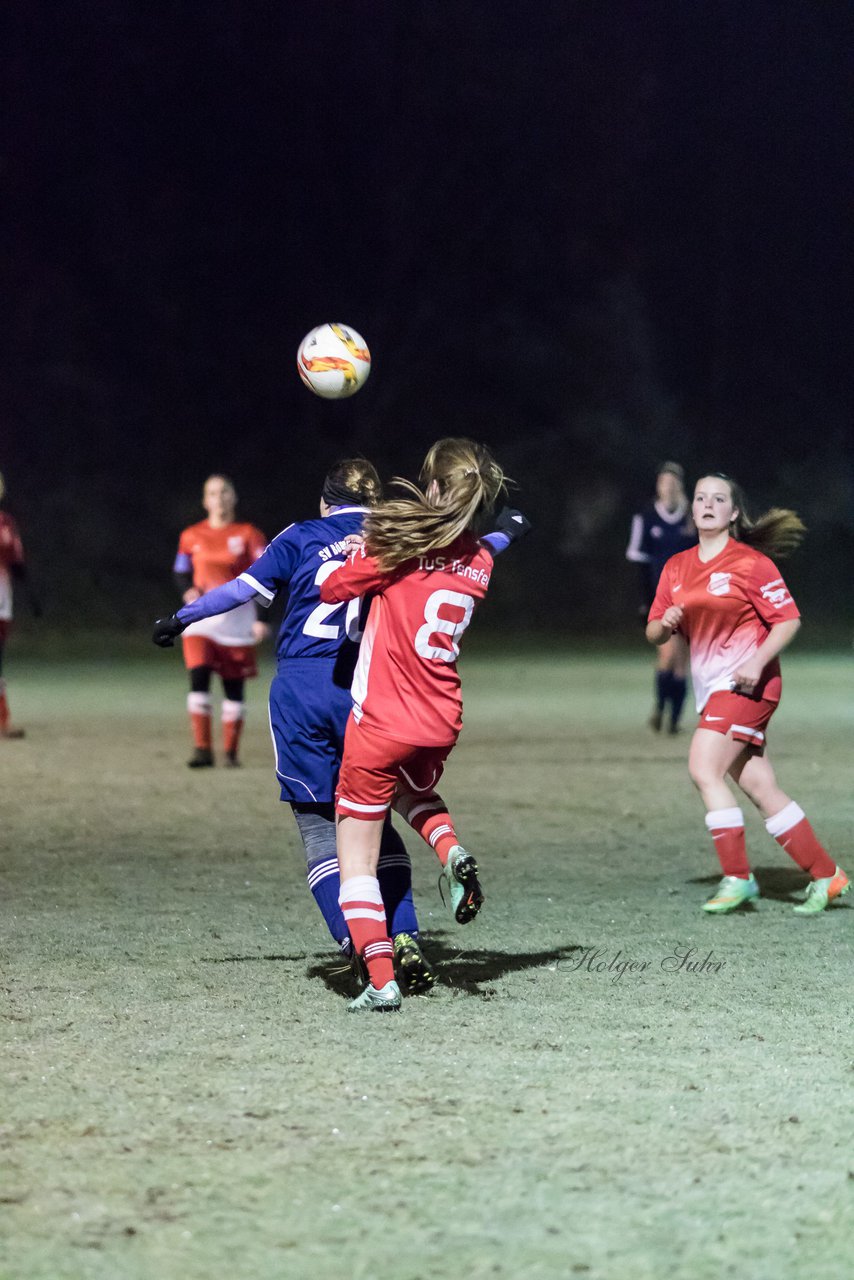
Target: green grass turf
<point x="184" y="1095"/>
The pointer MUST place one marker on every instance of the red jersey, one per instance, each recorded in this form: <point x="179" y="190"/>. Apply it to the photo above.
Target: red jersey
<point x="214" y="557"/>
<point x="11" y="553"/>
<point x="406" y="684"/>
<point x="730" y="604"/>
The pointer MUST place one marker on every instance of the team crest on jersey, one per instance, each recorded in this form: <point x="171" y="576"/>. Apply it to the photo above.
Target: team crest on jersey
<point x="719" y="584"/>
<point x="236" y="546"/>
<point x="777" y="593"/>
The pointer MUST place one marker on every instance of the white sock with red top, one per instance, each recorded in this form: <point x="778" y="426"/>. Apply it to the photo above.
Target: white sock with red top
<point x="726" y="827"/>
<point x="793" y="832"/>
<point x="233" y="714"/>
<point x="362" y="904"/>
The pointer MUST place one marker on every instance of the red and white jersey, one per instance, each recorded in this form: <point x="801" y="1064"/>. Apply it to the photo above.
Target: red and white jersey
<point x="214" y="557"/>
<point x="730" y="604"/>
<point x="406" y="684"/>
<point x="11" y="553"/>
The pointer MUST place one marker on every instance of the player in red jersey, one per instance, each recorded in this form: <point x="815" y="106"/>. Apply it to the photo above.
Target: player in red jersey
<point x="210" y="554"/>
<point x="729" y="601"/>
<point x="425" y="570"/>
<point x="12" y="567"/>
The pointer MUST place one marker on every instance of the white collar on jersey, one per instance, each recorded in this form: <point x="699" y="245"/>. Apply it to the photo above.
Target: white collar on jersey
<point x="342" y="511"/>
<point x="671" y="517"/>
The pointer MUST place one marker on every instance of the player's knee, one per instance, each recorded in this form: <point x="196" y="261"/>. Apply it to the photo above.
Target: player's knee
<point x="761" y="791"/>
<point x="316" y="823"/>
<point x="703" y="773"/>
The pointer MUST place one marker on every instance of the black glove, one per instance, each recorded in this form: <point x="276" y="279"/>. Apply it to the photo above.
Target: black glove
<point x="166" y="629"/>
<point x="512" y="523"/>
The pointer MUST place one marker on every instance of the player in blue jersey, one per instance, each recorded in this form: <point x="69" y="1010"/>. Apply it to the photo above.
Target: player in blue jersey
<point x="658" y="532"/>
<point x="310" y="698"/>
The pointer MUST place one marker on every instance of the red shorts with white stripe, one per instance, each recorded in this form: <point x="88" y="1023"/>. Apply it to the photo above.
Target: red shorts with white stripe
<point x="743" y="718"/>
<point x="231" y="661"/>
<point x="375" y="769"/>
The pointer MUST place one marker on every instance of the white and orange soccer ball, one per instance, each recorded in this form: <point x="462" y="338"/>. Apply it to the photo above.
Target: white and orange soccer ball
<point x="333" y="361"/>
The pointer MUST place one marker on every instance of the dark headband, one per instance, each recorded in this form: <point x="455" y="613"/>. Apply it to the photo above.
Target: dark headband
<point x="338" y="495"/>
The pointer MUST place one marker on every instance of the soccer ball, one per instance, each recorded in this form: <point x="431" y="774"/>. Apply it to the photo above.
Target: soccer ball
<point x="333" y="361"/>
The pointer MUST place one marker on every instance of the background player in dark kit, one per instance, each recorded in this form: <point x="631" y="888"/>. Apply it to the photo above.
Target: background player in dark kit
<point x="659" y="531"/>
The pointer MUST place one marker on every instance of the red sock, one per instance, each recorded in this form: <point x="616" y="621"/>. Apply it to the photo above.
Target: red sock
<point x="726" y="827"/>
<point x="429" y="818"/>
<point x="232" y="725"/>
<point x="199" y="707"/>
<point x="4" y="707"/>
<point x="793" y="832"/>
<point x="362" y="904"/>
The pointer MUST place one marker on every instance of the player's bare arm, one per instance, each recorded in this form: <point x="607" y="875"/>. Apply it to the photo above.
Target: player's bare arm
<point x="661" y="629"/>
<point x="748" y="675"/>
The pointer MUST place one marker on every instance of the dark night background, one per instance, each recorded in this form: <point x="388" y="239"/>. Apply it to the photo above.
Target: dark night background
<point x="592" y="234"/>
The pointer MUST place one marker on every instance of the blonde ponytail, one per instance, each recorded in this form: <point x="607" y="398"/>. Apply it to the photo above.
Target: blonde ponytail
<point x="461" y="481"/>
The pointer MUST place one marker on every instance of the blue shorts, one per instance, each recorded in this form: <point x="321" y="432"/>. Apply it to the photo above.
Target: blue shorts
<point x="308" y="717"/>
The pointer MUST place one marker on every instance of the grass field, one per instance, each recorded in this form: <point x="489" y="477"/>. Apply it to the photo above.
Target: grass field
<point x="185" y="1097"/>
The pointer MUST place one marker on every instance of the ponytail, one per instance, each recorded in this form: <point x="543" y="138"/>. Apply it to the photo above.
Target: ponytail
<point x="776" y="533"/>
<point x="461" y="481"/>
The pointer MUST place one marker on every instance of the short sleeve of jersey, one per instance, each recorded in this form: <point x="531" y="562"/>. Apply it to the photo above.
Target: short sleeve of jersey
<point x="769" y="594"/>
<point x="663" y="595"/>
<point x="11" y="547"/>
<point x="358" y="576"/>
<point x="274" y="568"/>
<point x="184" y="547"/>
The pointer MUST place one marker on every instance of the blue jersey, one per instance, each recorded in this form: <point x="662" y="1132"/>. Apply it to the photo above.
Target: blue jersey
<point x="297" y="561"/>
<point x="657" y="534"/>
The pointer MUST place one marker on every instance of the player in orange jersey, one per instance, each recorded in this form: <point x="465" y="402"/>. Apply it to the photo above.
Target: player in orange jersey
<point x="729" y="601"/>
<point x="12" y="568"/>
<point x="210" y="554"/>
<point x="425" y="570"/>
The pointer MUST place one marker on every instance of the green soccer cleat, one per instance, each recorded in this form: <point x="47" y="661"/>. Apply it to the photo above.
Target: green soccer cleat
<point x="820" y="893"/>
<point x="414" y="972"/>
<point x="731" y="893"/>
<point x="460" y="876"/>
<point x="386" y="1000"/>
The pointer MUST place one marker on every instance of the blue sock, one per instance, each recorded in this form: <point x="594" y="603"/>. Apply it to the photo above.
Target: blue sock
<point x="395" y="876"/>
<point x="662" y="689"/>
<point x="317" y="828"/>
<point x="325" y="883"/>
<point x="678" y="689"/>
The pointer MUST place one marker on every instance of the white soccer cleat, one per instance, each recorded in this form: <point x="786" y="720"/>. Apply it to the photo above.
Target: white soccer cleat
<point x="385" y="1000"/>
